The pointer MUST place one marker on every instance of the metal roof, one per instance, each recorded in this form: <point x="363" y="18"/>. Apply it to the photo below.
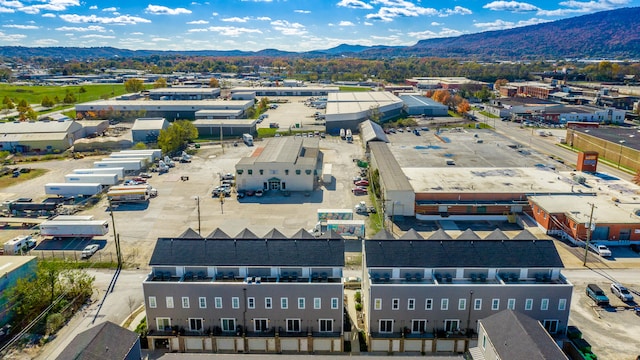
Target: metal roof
<point x="30" y="127"/>
<point x="370" y="131"/>
<point x="150" y="124"/>
<point x="393" y="178"/>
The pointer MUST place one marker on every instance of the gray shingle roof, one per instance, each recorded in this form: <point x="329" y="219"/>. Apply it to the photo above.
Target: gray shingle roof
<point x="106" y="341"/>
<point x="274" y="234"/>
<point x="383" y="234"/>
<point x="524" y="235"/>
<point x="461" y="253"/>
<point x="190" y="234"/>
<point x="246" y="234"/>
<point x="411" y="234"/>
<point x="218" y="234"/>
<point x="248" y="252"/>
<point x="518" y="336"/>
<point x="439" y="235"/>
<point x="468" y="235"/>
<point x="303" y="234"/>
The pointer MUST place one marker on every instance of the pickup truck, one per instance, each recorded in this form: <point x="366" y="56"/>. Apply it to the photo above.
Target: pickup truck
<point x="600" y="249"/>
<point x="596" y="293"/>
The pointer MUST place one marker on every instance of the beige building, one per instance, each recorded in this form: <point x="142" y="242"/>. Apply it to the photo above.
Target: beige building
<point x="285" y="163"/>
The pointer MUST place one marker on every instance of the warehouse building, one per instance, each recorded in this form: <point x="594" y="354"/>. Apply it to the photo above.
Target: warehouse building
<point x="184" y="93"/>
<point x="219" y="114"/>
<point x="39" y="136"/>
<point x="169" y="109"/>
<point x="421" y="105"/>
<point x="284" y="163"/>
<point x="618" y="145"/>
<point x="288" y="91"/>
<point x="348" y="109"/>
<point x="147" y="130"/>
<point x="225" y="128"/>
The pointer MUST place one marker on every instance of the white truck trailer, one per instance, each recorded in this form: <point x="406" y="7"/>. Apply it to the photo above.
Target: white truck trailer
<point x="67" y="189"/>
<point x="104" y="179"/>
<point x="148" y="157"/>
<point x="18" y="245"/>
<point x="248" y="139"/>
<point x="335" y="214"/>
<point x="113" y="170"/>
<point x="128" y="165"/>
<point x="73" y="218"/>
<point x="128" y="196"/>
<point x="156" y="153"/>
<point x="85" y="229"/>
<point x="327" y="173"/>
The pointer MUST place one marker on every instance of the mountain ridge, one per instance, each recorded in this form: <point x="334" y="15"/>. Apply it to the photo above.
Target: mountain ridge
<point x="606" y="34"/>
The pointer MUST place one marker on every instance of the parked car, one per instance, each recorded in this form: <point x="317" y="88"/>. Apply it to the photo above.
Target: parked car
<point x="250" y="192"/>
<point x="259" y="193"/>
<point x="621" y="292"/>
<point x="145" y="175"/>
<point x="362" y="182"/>
<point x="240" y="194"/>
<point x="595" y="292"/>
<point x="88" y="251"/>
<point x="600" y="249"/>
<point x="359" y="191"/>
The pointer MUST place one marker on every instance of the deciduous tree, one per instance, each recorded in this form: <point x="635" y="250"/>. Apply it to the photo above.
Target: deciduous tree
<point x="160" y="83"/>
<point x="134" y="85"/>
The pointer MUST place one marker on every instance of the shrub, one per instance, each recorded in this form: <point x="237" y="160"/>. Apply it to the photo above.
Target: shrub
<point x="358" y="307"/>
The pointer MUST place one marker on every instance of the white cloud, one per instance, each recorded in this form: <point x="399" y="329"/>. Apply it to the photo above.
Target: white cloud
<point x="392" y="9"/>
<point x="458" y="10"/>
<point x="236" y="19"/>
<point x="198" y="22"/>
<point x="434" y="23"/>
<point x="355" y="4"/>
<point x="232" y="30"/>
<point x="163" y="10"/>
<point x="93" y="7"/>
<point x="137" y="33"/>
<point x="49" y="5"/>
<point x="367" y="23"/>
<point x="11" y="37"/>
<point x="428" y="34"/>
<point x="346" y="23"/>
<point x="580" y="7"/>
<point x="5" y="10"/>
<point x="215" y="14"/>
<point x="197" y="30"/>
<point x="501" y="24"/>
<point x="302" y="11"/>
<point x="92" y="19"/>
<point x="110" y="9"/>
<point x="263" y="18"/>
<point x="287" y="28"/>
<point x="97" y="36"/>
<point x="512" y="6"/>
<point x="97" y="28"/>
<point x="446" y="32"/>
<point x="10" y="3"/>
<point x="160" y="39"/>
<point x="21" y="27"/>
<point x="422" y="34"/>
<point x="45" y="42"/>
<point x="48" y="15"/>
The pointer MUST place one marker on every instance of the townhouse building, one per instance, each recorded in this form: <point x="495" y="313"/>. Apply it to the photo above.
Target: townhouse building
<point x="246" y="293"/>
<point x="428" y="295"/>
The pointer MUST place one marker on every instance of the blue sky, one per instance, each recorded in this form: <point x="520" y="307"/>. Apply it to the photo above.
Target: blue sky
<point x="291" y="25"/>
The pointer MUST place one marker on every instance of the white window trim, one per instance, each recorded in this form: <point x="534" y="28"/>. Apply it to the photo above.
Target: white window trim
<point x="201" y="323"/>
<point x="268" y="303"/>
<point x="284" y="303"/>
<point x="320" y="328"/>
<point x="462" y="304"/>
<point x="260" y="319"/>
<point x="235" y="324"/>
<point x="528" y="304"/>
<point x="495" y="304"/>
<point x="185" y="302"/>
<point x="235" y="302"/>
<point x="380" y="326"/>
<point x="511" y="304"/>
<point x="477" y="304"/>
<point x="395" y="304"/>
<point x="427" y="305"/>
<point x="317" y="303"/>
<point x="418" y="320"/>
<point x="444" y="304"/>
<point x="377" y="304"/>
<point x="169" y="301"/>
<point x="286" y="321"/>
<point x="158" y="319"/>
<point x="301" y="303"/>
<point x="217" y="302"/>
<point x="202" y="302"/>
<point x="562" y="304"/>
<point x="544" y="304"/>
<point x="411" y="304"/>
<point x="153" y="303"/>
<point x="335" y="303"/>
<point x="251" y="300"/>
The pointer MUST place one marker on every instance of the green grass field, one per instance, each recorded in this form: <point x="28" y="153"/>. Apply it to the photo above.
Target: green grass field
<point x="34" y="94"/>
<point x="354" y="88"/>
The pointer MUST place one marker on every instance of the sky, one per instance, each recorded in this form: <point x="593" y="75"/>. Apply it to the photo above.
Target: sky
<point x="252" y="25"/>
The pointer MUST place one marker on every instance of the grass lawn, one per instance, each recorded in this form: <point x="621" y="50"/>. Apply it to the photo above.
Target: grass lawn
<point x="354" y="88"/>
<point x="9" y="180"/>
<point x="34" y="94"/>
<point x="488" y="114"/>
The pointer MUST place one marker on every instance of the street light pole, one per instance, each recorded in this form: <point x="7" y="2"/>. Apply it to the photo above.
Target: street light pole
<point x="198" y="204"/>
<point x="586" y="247"/>
<point x="469" y="314"/>
<point x="620" y="153"/>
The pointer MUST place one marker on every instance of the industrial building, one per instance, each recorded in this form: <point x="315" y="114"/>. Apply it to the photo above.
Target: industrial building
<point x="14" y="268"/>
<point x="147" y="130"/>
<point x="169" y="109"/>
<point x="421" y="105"/>
<point x="446" y="83"/>
<point x="225" y="128"/>
<point x="219" y="114"/>
<point x="39" y="136"/>
<point x="287" y="91"/>
<point x="617" y="145"/>
<point x="284" y="163"/>
<point x="183" y="93"/>
<point x="348" y="109"/>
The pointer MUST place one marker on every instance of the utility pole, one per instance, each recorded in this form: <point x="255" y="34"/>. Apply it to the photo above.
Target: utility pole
<point x="198" y="203"/>
<point x="586" y="247"/>
<point x="116" y="239"/>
